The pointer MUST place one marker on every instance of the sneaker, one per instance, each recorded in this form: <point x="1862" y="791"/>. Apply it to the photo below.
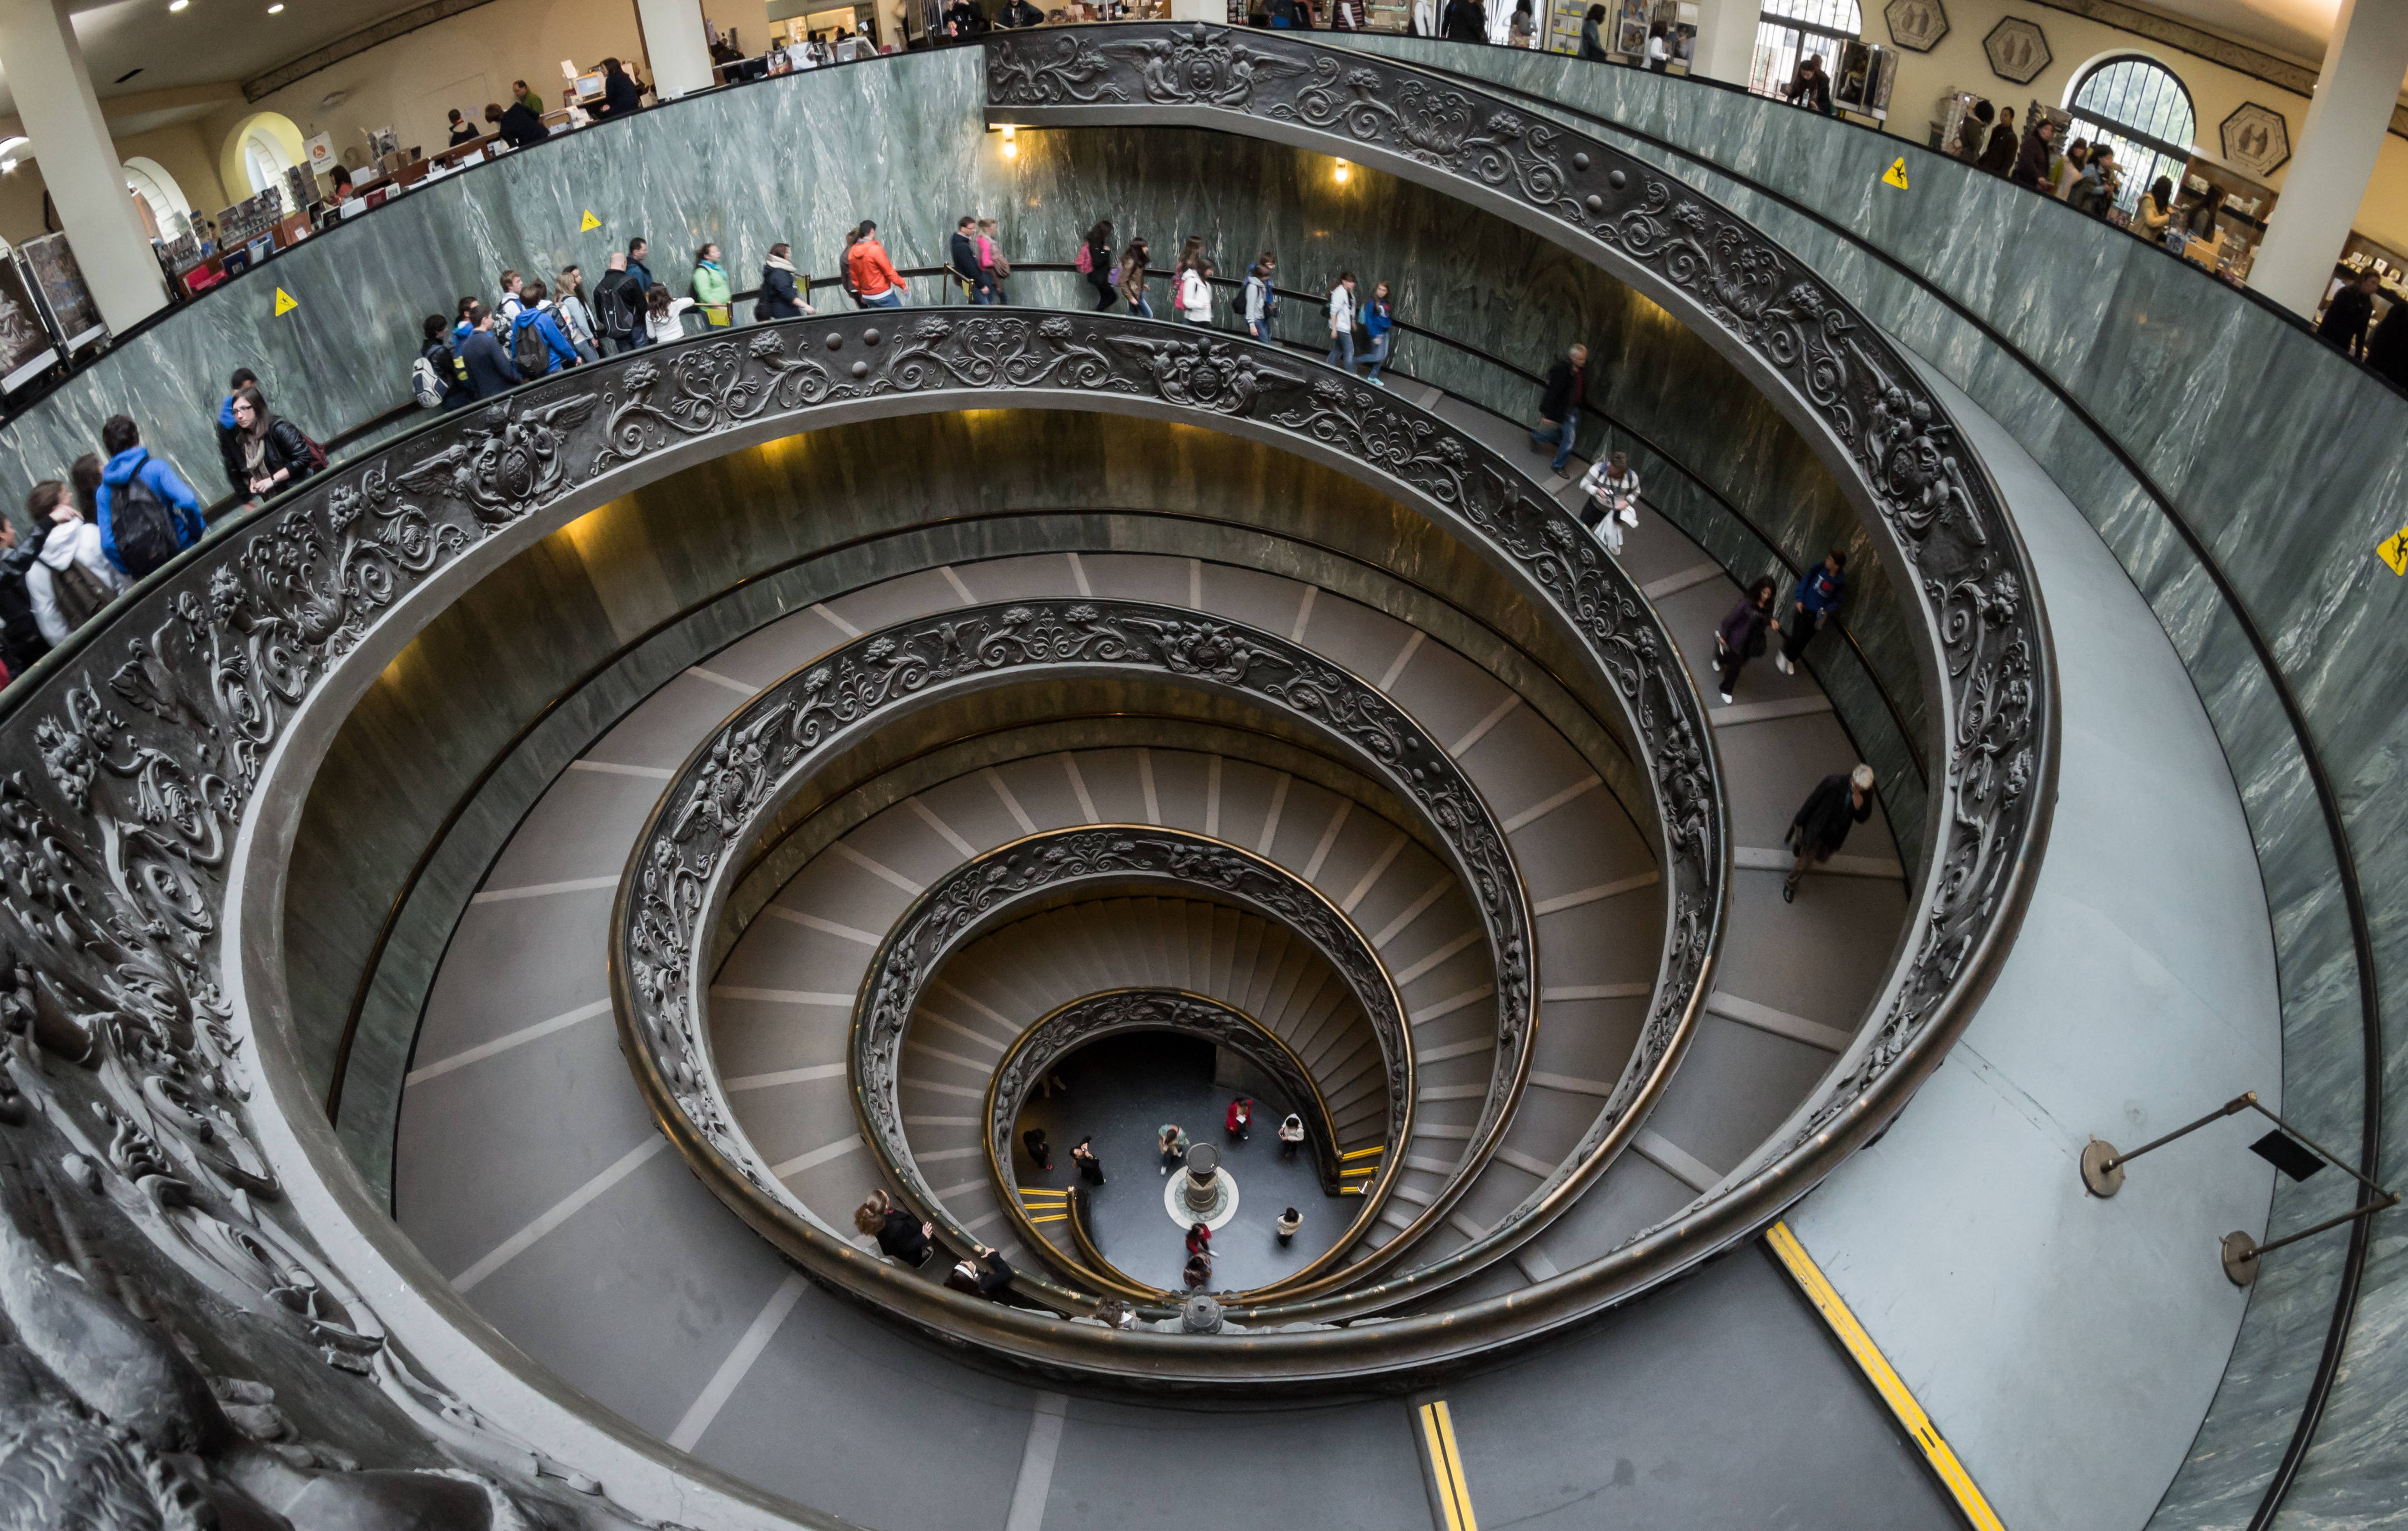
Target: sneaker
<point x="1781" y="662"/>
<point x="1726" y="699"/>
<point x="1790" y="892"/>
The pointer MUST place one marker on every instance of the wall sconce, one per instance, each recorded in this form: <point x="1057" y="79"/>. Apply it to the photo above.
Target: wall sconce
<point x="2285" y="1148"/>
<point x="1343" y="171"/>
<point x="1010" y="142"/>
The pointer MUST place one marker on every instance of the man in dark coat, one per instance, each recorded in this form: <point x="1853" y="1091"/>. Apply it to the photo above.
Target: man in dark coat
<point x="2031" y="163"/>
<point x="2344" y="325"/>
<point x="1559" y="405"/>
<point x="518" y="127"/>
<point x="2386" y="350"/>
<point x="1821" y="827"/>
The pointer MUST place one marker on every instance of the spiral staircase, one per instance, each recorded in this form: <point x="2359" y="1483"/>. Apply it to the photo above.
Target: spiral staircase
<point x="765" y="763"/>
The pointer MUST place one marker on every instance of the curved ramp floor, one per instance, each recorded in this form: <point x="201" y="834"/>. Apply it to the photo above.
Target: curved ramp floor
<point x="526" y="1165"/>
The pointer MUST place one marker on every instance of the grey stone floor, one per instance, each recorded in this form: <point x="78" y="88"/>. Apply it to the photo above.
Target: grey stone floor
<point x="1121" y="1091"/>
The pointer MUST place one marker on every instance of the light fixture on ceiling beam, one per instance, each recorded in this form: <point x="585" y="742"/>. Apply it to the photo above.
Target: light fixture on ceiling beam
<point x="178" y="5"/>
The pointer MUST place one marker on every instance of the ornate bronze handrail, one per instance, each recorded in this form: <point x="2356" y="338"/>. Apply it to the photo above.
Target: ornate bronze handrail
<point x="1091" y="1018"/>
<point x="721" y="801"/>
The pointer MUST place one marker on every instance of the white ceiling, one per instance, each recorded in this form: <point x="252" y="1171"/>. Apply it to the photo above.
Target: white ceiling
<point x="228" y="41"/>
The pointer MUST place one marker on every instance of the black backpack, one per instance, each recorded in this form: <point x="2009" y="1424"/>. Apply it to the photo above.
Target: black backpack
<point x="20" y="635"/>
<point x="141" y="525"/>
<point x="614" y="305"/>
<point x="527" y="349"/>
<point x="78" y="595"/>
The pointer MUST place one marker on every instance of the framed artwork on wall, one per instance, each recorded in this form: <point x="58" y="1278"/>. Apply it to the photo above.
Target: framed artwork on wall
<point x="2017" y="50"/>
<point x="1916" y="25"/>
<point x="2256" y="139"/>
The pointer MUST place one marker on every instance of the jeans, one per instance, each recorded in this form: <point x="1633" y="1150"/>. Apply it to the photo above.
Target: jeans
<point x="1560" y="436"/>
<point x="1378" y="356"/>
<point x="1139" y="307"/>
<point x="1342" y="350"/>
<point x="586" y="350"/>
<point x="891" y="298"/>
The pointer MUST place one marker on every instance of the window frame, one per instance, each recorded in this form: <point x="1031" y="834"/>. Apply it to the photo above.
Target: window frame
<point x="1770" y="27"/>
<point x="2089" y="122"/>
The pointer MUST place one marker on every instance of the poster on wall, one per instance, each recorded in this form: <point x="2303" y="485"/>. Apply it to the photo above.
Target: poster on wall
<point x="1917" y="24"/>
<point x="2257" y="138"/>
<point x="25" y="349"/>
<point x="75" y="318"/>
<point x="2017" y="50"/>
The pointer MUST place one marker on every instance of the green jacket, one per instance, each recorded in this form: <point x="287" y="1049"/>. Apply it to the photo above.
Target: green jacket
<point x="710" y="284"/>
<point x="533" y="103"/>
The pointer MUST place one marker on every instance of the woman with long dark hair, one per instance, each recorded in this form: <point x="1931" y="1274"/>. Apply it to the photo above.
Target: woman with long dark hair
<point x="274" y="452"/>
<point x="1099" y="258"/>
<point x="1741" y="638"/>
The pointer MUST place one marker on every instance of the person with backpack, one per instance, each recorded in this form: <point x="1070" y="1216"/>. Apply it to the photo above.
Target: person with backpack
<point x="992" y="265"/>
<point x="488" y="364"/>
<point x="638" y="251"/>
<point x="69" y="577"/>
<point x="1816" y="601"/>
<point x="1379" y="318"/>
<point x="275" y="452"/>
<point x="148" y="513"/>
<point x="1612" y="488"/>
<point x="711" y="293"/>
<point x="229" y="445"/>
<point x="619" y="304"/>
<point x="538" y="349"/>
<point x="1196" y="293"/>
<point x="1095" y="264"/>
<point x="436" y="379"/>
<point x="576" y="319"/>
<point x="781" y="291"/>
<point x="22" y="641"/>
<point x="1262" y="298"/>
<point x="962" y="262"/>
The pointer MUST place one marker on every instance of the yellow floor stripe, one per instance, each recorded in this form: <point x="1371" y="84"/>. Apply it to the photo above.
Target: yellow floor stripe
<point x="1446" y="1466"/>
<point x="1860" y="1345"/>
<point x="1360" y="1153"/>
<point x="1058" y="1217"/>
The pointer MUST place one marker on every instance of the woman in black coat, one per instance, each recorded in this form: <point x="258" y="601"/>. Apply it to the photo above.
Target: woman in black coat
<point x="619" y="96"/>
<point x="1741" y="638"/>
<point x="276" y="455"/>
<point x="984" y="1277"/>
<point x="782" y="295"/>
<point x="1100" y="266"/>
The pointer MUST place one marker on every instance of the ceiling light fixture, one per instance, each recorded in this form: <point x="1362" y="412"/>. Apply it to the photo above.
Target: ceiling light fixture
<point x="178" y="5"/>
<point x="273" y="9"/>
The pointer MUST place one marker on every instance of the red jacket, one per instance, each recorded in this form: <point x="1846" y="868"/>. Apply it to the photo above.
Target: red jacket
<point x="873" y="273"/>
<point x="1240" y="1115"/>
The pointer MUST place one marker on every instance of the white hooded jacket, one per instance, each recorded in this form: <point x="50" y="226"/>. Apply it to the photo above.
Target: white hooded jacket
<point x="78" y="543"/>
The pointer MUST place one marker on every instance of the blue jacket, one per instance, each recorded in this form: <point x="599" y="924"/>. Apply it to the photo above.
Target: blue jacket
<point x="1819" y="592"/>
<point x="563" y="354"/>
<point x="1378" y="314"/>
<point x="183" y="506"/>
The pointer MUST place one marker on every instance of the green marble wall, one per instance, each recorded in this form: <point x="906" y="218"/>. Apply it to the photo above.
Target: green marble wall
<point x="2291" y="465"/>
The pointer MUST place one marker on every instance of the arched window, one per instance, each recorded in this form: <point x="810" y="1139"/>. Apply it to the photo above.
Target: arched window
<point x="150" y="181"/>
<point x="2136" y="106"/>
<point x="1789" y="29"/>
<point x="264" y="161"/>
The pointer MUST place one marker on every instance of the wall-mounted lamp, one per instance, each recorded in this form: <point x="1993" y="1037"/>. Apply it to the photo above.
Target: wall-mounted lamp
<point x="1342" y="171"/>
<point x="1010" y="142"/>
<point x="2285" y="1148"/>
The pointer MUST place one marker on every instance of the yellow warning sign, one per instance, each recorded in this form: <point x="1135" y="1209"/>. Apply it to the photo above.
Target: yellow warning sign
<point x="2395" y="551"/>
<point x="285" y="302"/>
<point x="1896" y="173"/>
<point x="591" y="223"/>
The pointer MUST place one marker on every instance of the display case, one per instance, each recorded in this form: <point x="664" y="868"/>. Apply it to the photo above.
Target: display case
<point x="2244" y="204"/>
<point x="61" y="292"/>
<point x="1860" y="86"/>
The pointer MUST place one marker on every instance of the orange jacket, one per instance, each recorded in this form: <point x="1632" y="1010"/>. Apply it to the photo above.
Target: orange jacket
<point x="873" y="273"/>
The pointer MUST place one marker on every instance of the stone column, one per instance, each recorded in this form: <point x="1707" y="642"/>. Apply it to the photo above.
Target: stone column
<point x="1726" y="49"/>
<point x="45" y="69"/>
<point x="2327" y="176"/>
<point x="674" y="45"/>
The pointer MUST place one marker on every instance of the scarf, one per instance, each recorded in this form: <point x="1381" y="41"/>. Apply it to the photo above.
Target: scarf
<point x="781" y="262"/>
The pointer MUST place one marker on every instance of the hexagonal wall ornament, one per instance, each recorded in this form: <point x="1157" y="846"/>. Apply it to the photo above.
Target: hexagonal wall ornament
<point x="1916" y="25"/>
<point x="2256" y="139"/>
<point x="2017" y="50"/>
